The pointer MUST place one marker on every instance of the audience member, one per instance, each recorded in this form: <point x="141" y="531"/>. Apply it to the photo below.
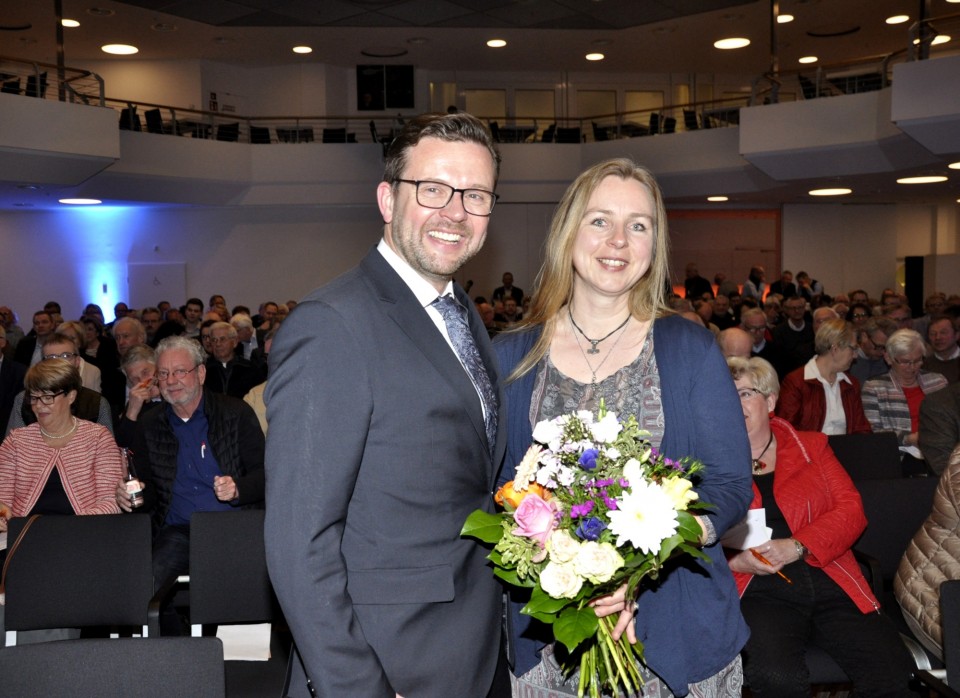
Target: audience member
<point x="793" y="339"/>
<point x="872" y="343"/>
<point x="725" y="287"/>
<point x="859" y="296"/>
<point x="892" y="401"/>
<point x="205" y="335"/>
<point x="150" y="318"/>
<point x="821" y="315"/>
<point x="755" y="286"/>
<point x="511" y="314"/>
<point x="754" y="323"/>
<point x="803" y="585"/>
<point x="772" y="308"/>
<point x="12" y="331"/>
<point x="931" y="558"/>
<point x="192" y="315"/>
<point x="29" y="349"/>
<point x="140" y="368"/>
<point x="227" y="371"/>
<point x="64" y="343"/>
<point x="945" y="357"/>
<point x="58" y="464"/>
<point x="11" y="383"/>
<point x="283" y="310"/>
<point x="784" y="286"/>
<point x="809" y="289"/>
<point x="820" y="396"/>
<point x="246" y="336"/>
<point x="267" y="318"/>
<point x="199" y="452"/>
<point x="489" y="321"/>
<point x="933" y="306"/>
<point x="858" y="313"/>
<point x="734" y="341"/>
<point x="508" y="290"/>
<point x="900" y="314"/>
<point x="695" y="286"/>
<point x="939" y="430"/>
<point x="722" y="316"/>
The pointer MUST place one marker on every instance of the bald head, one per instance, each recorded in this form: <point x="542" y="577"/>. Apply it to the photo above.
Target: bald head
<point x="735" y="342"/>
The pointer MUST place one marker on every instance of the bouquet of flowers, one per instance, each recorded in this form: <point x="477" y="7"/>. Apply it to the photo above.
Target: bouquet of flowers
<point x="593" y="506"/>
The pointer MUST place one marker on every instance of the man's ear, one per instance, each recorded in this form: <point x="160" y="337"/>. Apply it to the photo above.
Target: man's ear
<point x="385" y="200"/>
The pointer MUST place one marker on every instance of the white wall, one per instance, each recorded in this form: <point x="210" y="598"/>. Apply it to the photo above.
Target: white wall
<point x="255" y="253"/>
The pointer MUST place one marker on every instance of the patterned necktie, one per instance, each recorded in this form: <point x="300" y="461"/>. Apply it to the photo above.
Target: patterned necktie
<point x="455" y="318"/>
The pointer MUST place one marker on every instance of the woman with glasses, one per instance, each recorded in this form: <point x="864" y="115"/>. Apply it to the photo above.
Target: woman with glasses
<point x="820" y="396"/>
<point x="60" y="464"/>
<point x="803" y="586"/>
<point x="859" y="313"/>
<point x="892" y="401"/>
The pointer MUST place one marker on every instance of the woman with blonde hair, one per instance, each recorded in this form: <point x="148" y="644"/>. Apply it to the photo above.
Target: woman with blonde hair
<point x="599" y="330"/>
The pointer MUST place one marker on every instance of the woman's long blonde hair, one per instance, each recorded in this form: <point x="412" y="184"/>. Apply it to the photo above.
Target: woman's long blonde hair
<point x="554" y="283"/>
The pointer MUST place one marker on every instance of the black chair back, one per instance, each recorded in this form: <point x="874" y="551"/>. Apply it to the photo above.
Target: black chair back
<point x="154" y="120"/>
<point x="548" y="133"/>
<point x="568" y="135"/>
<point x="334" y="135"/>
<point x="260" y="134"/>
<point x="228" y="132"/>
<point x="80" y="571"/>
<point x="228" y="568"/>
<point x="868" y="456"/>
<point x="120" y="668"/>
<point x="950" y="622"/>
<point x="129" y="120"/>
<point x="11" y="84"/>
<point x="690" y="122"/>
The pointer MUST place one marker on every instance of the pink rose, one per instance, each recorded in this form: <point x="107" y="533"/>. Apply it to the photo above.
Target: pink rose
<point x="535" y="518"/>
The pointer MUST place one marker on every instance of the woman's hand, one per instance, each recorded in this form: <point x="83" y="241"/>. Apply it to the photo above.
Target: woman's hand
<point x="778" y="552"/>
<point x="617" y="603"/>
<point x="5" y="514"/>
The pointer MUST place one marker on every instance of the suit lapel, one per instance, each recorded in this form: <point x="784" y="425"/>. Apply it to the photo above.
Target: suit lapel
<point x="403" y="308"/>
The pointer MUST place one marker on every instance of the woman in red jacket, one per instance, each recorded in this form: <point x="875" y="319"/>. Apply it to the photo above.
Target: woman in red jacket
<point x="820" y="396"/>
<point x="803" y="585"/>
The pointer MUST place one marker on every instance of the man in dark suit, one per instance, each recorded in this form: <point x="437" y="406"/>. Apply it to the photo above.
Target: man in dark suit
<point x="28" y="350"/>
<point x="227" y="371"/>
<point x="381" y="443"/>
<point x="940" y="426"/>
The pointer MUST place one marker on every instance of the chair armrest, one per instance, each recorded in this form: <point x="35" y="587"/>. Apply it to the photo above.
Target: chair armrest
<point x="872" y="571"/>
<point x="936" y="681"/>
<point x="920" y="658"/>
<point x="160" y="598"/>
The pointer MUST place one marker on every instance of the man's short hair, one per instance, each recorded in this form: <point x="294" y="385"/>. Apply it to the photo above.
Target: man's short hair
<point x="231" y="330"/>
<point x="241" y="321"/>
<point x="133" y="323"/>
<point x="194" y="301"/>
<point x="138" y="353"/>
<point x="59" y="338"/>
<point x="196" y="352"/>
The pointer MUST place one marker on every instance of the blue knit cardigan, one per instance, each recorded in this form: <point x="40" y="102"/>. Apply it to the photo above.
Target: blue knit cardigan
<point x="690" y="624"/>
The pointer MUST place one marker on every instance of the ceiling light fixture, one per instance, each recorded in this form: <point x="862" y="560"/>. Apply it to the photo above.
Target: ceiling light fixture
<point x="731" y="43"/>
<point x="70" y="23"/>
<point x="594" y="56"/>
<point x="922" y="179"/>
<point x="119" y="49"/>
<point x="81" y="202"/>
<point x="808" y="59"/>
<point x="897" y="19"/>
<point x="496" y="43"/>
<point x="833" y="191"/>
<point x="785" y="19"/>
<point x="954" y="165"/>
<point x="718" y="198"/>
<point x="937" y="40"/>
<point x="302" y="49"/>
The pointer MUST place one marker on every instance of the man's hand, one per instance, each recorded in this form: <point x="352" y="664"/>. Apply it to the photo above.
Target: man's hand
<point x="225" y="488"/>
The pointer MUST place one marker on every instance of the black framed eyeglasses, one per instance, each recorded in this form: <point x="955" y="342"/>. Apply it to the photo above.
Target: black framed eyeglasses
<point x="476" y="202"/>
<point x="46" y="398"/>
<point x="178" y="373"/>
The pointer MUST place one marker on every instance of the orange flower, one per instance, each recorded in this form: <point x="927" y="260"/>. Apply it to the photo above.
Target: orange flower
<point x="514" y="497"/>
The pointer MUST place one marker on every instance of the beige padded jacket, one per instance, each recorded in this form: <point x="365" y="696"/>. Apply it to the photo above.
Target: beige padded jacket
<point x="933" y="556"/>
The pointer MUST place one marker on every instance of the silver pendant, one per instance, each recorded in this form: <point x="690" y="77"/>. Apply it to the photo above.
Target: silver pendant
<point x="593" y="348"/>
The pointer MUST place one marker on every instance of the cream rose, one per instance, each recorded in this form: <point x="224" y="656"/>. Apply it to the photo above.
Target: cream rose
<point x="560" y="580"/>
<point x="562" y="546"/>
<point x="597" y="561"/>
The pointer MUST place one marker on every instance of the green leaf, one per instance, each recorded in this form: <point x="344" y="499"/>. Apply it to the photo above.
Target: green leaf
<point x="483" y="526"/>
<point x="544" y="607"/>
<point x="510" y="576"/>
<point x="575" y="625"/>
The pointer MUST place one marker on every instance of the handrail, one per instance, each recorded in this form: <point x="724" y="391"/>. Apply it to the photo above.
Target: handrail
<point x="80" y="85"/>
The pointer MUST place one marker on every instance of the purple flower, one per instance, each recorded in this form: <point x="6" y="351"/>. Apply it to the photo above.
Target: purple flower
<point x="588" y="461"/>
<point x="610" y="502"/>
<point x="590" y="529"/>
<point x="578" y="510"/>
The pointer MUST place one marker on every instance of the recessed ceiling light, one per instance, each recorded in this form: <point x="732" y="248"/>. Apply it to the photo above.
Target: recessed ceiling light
<point x="100" y="12"/>
<point x="897" y="19"/>
<point x="418" y="40"/>
<point x="384" y="52"/>
<point x="496" y="43"/>
<point x="923" y="179"/>
<point x="937" y="40"/>
<point x="808" y="59"/>
<point x="954" y="165"/>
<point x="718" y="198"/>
<point x="733" y="42"/>
<point x="594" y="56"/>
<point x="784" y="19"/>
<point x="119" y="49"/>
<point x="71" y="23"/>
<point x="833" y="191"/>
<point x="163" y="27"/>
<point x="302" y="49"/>
<point x="81" y="202"/>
